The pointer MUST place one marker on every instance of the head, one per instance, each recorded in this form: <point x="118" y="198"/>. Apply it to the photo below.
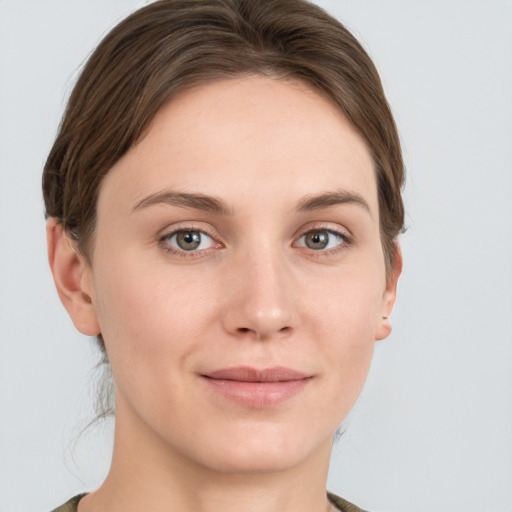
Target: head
<point x="129" y="133"/>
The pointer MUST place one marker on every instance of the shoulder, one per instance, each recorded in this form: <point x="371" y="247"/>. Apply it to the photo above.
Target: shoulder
<point x="71" y="505"/>
<point x="343" y="505"/>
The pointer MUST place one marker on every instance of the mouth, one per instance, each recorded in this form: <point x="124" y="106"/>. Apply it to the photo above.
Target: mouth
<point x="257" y="388"/>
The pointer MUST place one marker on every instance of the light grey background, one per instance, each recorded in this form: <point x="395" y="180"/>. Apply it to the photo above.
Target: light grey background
<point x="432" y="431"/>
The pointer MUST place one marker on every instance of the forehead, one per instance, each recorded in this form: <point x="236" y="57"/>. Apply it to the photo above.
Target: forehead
<point x="247" y="138"/>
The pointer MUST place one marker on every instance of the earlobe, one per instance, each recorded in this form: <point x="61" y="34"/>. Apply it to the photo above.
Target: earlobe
<point x="71" y="274"/>
<point x="388" y="299"/>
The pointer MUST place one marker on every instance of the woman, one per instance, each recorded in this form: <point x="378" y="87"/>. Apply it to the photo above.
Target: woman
<point x="223" y="202"/>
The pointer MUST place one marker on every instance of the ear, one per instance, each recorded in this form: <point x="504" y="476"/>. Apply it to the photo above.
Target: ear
<point x="388" y="298"/>
<point x="72" y="277"/>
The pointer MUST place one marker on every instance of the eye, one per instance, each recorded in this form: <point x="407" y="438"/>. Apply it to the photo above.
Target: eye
<point x="321" y="239"/>
<point x="188" y="240"/>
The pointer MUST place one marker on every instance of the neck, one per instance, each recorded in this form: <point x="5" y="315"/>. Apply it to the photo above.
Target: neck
<point x="164" y="480"/>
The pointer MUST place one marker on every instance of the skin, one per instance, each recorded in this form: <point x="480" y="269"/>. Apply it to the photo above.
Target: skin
<point x="253" y="294"/>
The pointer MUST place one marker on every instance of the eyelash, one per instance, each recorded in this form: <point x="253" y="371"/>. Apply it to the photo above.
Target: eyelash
<point x="345" y="241"/>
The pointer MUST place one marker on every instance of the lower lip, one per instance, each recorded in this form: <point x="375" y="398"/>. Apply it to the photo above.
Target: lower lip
<point x="257" y="394"/>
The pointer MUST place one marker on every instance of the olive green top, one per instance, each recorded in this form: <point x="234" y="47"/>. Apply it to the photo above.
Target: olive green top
<point x="340" y="503"/>
<point x="71" y="505"/>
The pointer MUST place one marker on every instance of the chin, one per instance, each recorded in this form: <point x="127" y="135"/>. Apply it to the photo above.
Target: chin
<point x="264" y="452"/>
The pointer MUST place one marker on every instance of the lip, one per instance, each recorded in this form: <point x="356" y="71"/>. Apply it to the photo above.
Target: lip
<point x="257" y="388"/>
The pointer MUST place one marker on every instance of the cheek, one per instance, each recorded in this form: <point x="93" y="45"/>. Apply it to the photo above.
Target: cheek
<point x="347" y="305"/>
<point x="344" y="316"/>
<point x="150" y="317"/>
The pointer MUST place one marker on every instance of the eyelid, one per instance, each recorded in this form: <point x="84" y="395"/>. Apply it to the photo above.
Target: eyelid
<point x="324" y="226"/>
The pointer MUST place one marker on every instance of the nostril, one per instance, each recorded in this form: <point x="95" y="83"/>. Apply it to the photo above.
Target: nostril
<point x="282" y="330"/>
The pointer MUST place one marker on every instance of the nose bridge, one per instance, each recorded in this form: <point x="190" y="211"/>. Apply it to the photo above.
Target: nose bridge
<point x="261" y="294"/>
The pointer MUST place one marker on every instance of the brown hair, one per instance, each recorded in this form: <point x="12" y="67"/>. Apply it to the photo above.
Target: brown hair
<point x="171" y="45"/>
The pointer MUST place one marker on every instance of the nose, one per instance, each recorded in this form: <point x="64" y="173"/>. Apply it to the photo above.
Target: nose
<point x="259" y="298"/>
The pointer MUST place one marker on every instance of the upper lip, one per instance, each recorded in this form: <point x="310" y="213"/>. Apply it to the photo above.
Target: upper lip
<point x="248" y="374"/>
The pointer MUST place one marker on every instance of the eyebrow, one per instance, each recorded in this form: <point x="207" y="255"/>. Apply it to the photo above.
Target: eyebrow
<point x="196" y="201"/>
<point x="325" y="200"/>
<point x="213" y="204"/>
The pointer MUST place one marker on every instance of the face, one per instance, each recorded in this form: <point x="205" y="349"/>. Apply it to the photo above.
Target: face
<point x="238" y="278"/>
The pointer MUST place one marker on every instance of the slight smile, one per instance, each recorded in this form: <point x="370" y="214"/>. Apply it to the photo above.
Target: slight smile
<point x="257" y="388"/>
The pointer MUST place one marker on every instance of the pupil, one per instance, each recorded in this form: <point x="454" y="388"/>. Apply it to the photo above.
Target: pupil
<point x="317" y="240"/>
<point x="189" y="240"/>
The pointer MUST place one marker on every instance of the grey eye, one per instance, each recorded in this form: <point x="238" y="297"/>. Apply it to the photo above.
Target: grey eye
<point x="320" y="239"/>
<point x="190" y="240"/>
<point x="316" y="240"/>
